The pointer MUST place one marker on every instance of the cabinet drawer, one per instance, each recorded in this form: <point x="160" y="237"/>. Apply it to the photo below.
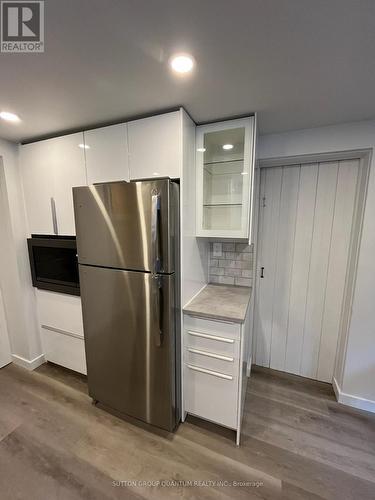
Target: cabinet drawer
<point x="212" y="343"/>
<point x="227" y="364"/>
<point x="221" y="328"/>
<point x="60" y="311"/>
<point x="65" y="350"/>
<point x="211" y="395"/>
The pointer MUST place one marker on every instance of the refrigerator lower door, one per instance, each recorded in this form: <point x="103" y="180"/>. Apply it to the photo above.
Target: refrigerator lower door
<point x="129" y="323"/>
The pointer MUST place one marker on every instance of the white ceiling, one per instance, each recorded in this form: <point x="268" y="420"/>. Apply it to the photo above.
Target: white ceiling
<point x="299" y="63"/>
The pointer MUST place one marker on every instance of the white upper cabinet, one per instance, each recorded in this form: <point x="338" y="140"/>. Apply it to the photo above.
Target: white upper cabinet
<point x="155" y="146"/>
<point x="106" y="151"/>
<point x="38" y="185"/>
<point x="69" y="163"/>
<point x="225" y="171"/>
<point x="50" y="169"/>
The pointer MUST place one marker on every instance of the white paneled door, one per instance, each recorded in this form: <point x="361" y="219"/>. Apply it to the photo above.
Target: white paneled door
<point x="305" y="224"/>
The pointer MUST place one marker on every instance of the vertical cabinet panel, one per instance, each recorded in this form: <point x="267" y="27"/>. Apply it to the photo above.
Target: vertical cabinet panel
<point x="69" y="168"/>
<point x="284" y="263"/>
<point x="155" y="146"/>
<point x="38" y="180"/>
<point x="320" y="250"/>
<point x="301" y="263"/>
<point x="106" y="151"/>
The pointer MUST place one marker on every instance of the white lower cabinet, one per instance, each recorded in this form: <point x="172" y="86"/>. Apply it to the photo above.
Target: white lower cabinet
<point x="214" y="378"/>
<point x="64" y="349"/>
<point x="61" y="327"/>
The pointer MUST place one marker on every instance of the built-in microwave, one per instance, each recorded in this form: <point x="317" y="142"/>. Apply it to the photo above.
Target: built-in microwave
<point x="54" y="263"/>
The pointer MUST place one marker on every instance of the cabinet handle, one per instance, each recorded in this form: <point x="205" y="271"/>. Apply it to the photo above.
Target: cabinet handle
<point x="211" y="354"/>
<point x="54" y="217"/>
<point x="210" y="372"/>
<point x="211" y="337"/>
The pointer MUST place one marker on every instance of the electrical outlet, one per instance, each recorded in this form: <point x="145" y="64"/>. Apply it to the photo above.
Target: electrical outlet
<point x="217" y="250"/>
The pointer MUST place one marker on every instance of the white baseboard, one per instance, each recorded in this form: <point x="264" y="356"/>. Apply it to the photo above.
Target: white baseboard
<point x="350" y="400"/>
<point x="28" y="364"/>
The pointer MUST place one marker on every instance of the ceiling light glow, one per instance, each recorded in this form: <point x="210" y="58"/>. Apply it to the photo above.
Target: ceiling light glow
<point x="182" y="63"/>
<point x="228" y="146"/>
<point x="9" y="117"/>
<point x="84" y="146"/>
<point x="156" y="173"/>
<point x="201" y="150"/>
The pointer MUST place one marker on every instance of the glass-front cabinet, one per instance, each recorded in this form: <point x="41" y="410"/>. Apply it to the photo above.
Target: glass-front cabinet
<point x="225" y="171"/>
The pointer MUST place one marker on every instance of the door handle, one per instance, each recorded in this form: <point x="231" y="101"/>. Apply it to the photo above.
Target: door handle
<point x="54" y="217"/>
<point x="262" y="272"/>
<point x="158" y="310"/>
<point x="155" y="213"/>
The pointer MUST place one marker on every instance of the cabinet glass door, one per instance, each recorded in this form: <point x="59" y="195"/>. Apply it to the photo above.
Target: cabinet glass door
<point x="224" y="160"/>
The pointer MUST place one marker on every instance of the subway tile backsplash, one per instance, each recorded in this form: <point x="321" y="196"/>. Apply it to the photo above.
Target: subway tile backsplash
<point x="231" y="263"/>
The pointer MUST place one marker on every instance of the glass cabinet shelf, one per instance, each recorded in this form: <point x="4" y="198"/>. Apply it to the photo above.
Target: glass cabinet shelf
<point x="224" y="178"/>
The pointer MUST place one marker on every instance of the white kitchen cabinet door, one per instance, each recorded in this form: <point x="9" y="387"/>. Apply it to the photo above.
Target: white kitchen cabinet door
<point x="106" y="151"/>
<point x="50" y="169"/>
<point x="224" y="176"/>
<point x="70" y="171"/>
<point x="155" y="146"/>
<point x="38" y="179"/>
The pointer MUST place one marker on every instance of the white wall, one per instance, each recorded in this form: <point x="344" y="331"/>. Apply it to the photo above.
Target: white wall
<point x="359" y="369"/>
<point x="18" y="294"/>
<point x="5" y="356"/>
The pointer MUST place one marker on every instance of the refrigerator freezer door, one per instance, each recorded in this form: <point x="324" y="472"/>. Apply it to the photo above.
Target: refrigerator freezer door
<point x="130" y="342"/>
<point x="128" y="225"/>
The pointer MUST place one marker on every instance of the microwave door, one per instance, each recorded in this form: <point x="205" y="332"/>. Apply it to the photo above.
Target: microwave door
<point x="125" y="225"/>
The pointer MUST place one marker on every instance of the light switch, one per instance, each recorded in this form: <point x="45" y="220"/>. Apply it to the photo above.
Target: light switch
<point x="217" y="250"/>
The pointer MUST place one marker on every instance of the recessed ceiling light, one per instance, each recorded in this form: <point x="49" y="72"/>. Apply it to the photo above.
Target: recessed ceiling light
<point x="156" y="173"/>
<point x="84" y="146"/>
<point x="243" y="173"/>
<point x="182" y="63"/>
<point x="9" y="117"/>
<point x="201" y="150"/>
<point x="228" y="146"/>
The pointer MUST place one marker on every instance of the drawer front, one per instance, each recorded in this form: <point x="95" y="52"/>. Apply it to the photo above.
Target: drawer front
<point x="211" y="395"/>
<point x="220" y="328"/>
<point x="227" y="364"/>
<point x="64" y="350"/>
<point x="60" y="311"/>
<point x="212" y="343"/>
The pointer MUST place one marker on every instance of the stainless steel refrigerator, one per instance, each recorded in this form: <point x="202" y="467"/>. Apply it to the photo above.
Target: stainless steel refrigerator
<point x="128" y="254"/>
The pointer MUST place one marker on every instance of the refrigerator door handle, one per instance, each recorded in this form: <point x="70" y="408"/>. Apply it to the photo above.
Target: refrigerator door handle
<point x="158" y="311"/>
<point x="155" y="207"/>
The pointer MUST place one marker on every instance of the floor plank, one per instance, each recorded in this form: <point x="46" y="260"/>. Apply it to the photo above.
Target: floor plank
<point x="298" y="443"/>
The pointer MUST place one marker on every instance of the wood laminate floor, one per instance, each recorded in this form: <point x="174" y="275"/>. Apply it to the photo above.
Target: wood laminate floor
<point x="297" y="443"/>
